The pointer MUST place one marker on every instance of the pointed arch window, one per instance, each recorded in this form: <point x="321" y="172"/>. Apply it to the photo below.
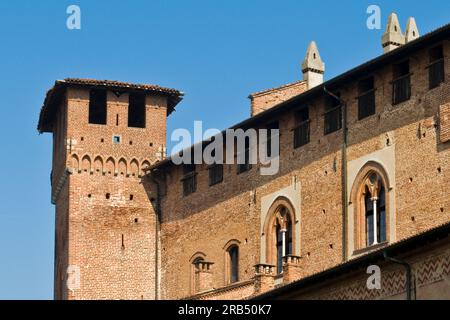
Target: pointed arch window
<point x="371" y="197"/>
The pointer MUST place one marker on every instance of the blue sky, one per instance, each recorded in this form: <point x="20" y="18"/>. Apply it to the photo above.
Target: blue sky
<point x="217" y="52"/>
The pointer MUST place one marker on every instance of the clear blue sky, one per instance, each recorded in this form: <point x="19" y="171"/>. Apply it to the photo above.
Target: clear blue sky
<point x="217" y="52"/>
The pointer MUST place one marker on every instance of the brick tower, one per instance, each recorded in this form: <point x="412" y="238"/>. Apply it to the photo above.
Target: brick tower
<point x="104" y="134"/>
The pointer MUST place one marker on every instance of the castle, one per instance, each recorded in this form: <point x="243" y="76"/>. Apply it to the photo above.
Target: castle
<point x="363" y="180"/>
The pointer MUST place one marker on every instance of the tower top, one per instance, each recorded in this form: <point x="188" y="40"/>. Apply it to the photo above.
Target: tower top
<point x="56" y="93"/>
<point x="312" y="61"/>
<point x="412" y="32"/>
<point x="313" y="67"/>
<point x="393" y="36"/>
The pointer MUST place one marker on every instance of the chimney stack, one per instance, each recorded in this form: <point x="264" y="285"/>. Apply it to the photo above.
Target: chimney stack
<point x="412" y="32"/>
<point x="313" y="67"/>
<point x="393" y="36"/>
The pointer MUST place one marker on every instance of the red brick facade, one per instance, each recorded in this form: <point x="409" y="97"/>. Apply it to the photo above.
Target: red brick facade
<point x="137" y="237"/>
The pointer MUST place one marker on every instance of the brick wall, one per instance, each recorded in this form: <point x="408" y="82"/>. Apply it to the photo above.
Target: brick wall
<point x="206" y="220"/>
<point x="264" y="100"/>
<point x="105" y="219"/>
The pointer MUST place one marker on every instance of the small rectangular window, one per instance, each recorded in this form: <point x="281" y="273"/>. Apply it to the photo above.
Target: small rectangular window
<point x="189" y="179"/>
<point x="97" y="107"/>
<point x="332" y="116"/>
<point x="136" y="110"/>
<point x="436" y="69"/>
<point x="301" y="130"/>
<point x="366" y="98"/>
<point x="116" y="139"/>
<point x="215" y="174"/>
<point x="401" y="85"/>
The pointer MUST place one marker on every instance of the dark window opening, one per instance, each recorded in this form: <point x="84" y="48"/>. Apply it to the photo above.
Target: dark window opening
<point x="246" y="166"/>
<point x="332" y="116"/>
<point x="401" y="85"/>
<point x="271" y="126"/>
<point x="189" y="179"/>
<point x="301" y="130"/>
<point x="97" y="107"/>
<point x="234" y="264"/>
<point x="366" y="98"/>
<point x="116" y="139"/>
<point x="215" y="174"/>
<point x="136" y="110"/>
<point x="436" y="70"/>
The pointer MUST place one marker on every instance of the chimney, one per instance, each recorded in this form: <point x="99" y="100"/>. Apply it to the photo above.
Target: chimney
<point x="313" y="67"/>
<point x="393" y="36"/>
<point x="411" y="33"/>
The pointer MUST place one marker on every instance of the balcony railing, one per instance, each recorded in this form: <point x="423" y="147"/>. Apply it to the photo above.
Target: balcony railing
<point x="401" y="89"/>
<point x="301" y="134"/>
<point x="436" y="73"/>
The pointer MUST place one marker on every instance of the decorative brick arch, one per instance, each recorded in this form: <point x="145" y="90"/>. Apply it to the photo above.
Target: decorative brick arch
<point x="371" y="178"/>
<point x="110" y="167"/>
<point x="98" y="165"/>
<point x="75" y="162"/>
<point x="134" y="168"/>
<point x="86" y="164"/>
<point x="122" y="167"/>
<point x="275" y="217"/>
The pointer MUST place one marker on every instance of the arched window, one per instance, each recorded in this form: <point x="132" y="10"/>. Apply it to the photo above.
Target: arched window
<point x="231" y="267"/>
<point x="233" y="254"/>
<point x="371" y="213"/>
<point x="280" y="232"/>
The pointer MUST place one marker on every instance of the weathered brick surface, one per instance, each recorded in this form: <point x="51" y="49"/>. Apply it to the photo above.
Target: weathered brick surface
<point x="206" y="220"/>
<point x="112" y="240"/>
<point x="266" y="99"/>
<point x="444" y="116"/>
